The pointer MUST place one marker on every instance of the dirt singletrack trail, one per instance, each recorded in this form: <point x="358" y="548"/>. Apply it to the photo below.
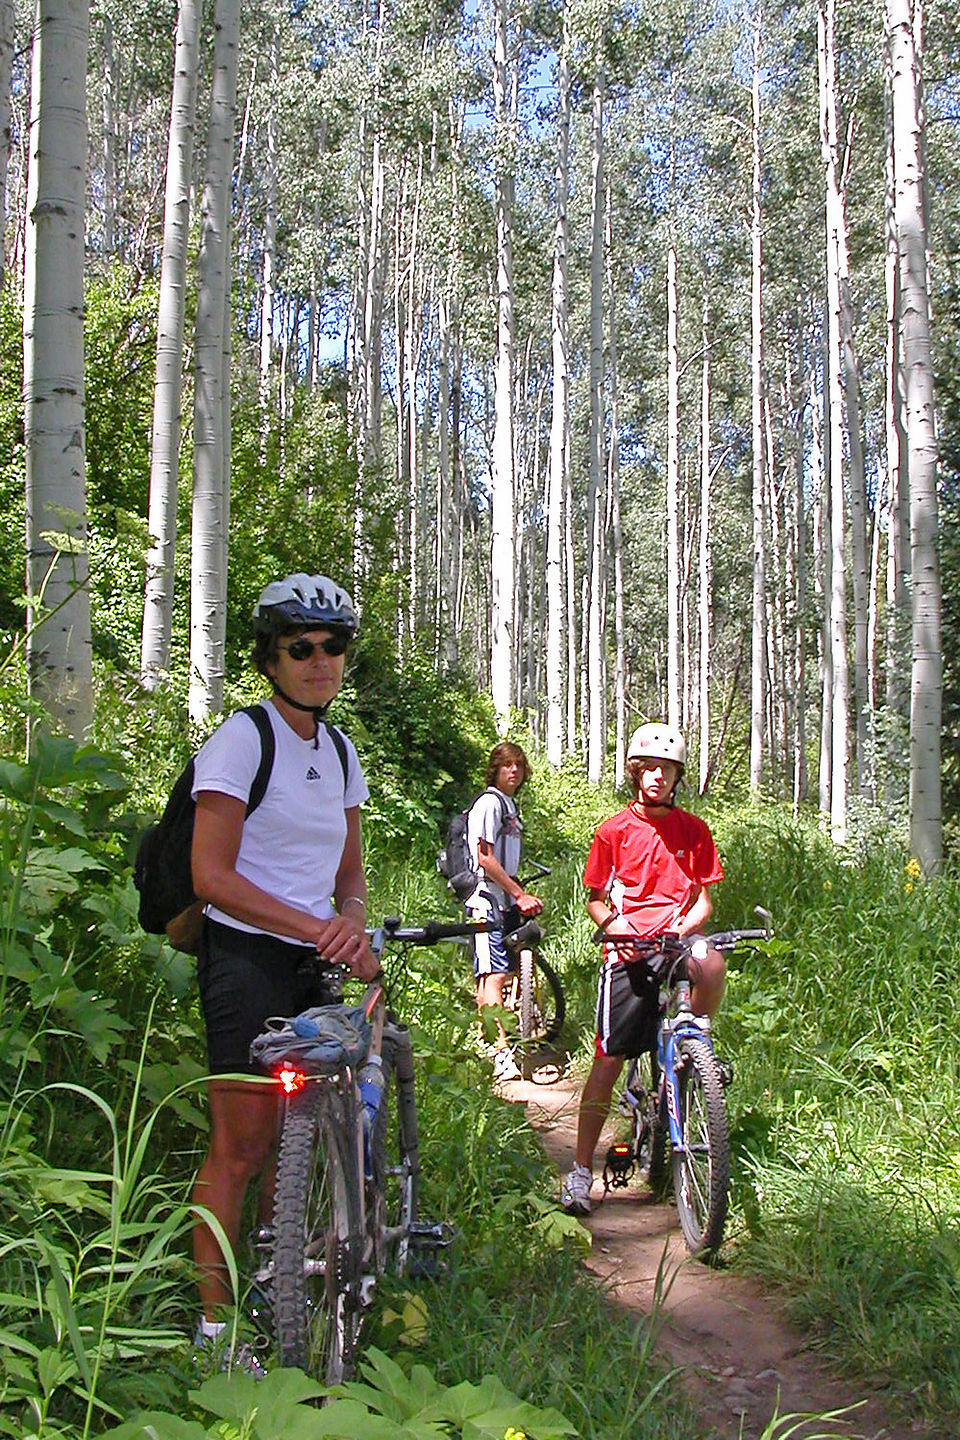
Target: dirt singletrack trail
<point x="742" y="1361"/>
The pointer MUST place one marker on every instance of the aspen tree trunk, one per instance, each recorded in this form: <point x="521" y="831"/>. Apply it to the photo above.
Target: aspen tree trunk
<point x="703" y="566"/>
<point x="926" y="837"/>
<point x="898" y="479"/>
<point x="834" y="446"/>
<point x="620" y="673"/>
<point x="367" y="321"/>
<point x="796" y="565"/>
<point x="7" y="33"/>
<point x="269" y="247"/>
<point x="673" y="497"/>
<point x="445" y="498"/>
<point x="596" y="740"/>
<point x="208" y="578"/>
<point x="571" y="597"/>
<point x="110" y="67"/>
<point x="777" y="690"/>
<point x="851" y="386"/>
<point x="168" y="384"/>
<point x="560" y="415"/>
<point x="757" y="638"/>
<point x="58" y="613"/>
<point x="822" y="585"/>
<point x="503" y="537"/>
<point x="413" y="347"/>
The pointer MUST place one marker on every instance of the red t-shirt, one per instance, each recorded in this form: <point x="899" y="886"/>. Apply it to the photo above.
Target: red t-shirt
<point x="652" y="866"/>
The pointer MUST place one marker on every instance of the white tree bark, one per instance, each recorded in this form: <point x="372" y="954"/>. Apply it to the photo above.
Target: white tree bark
<point x="596" y="739"/>
<point x="926" y="837"/>
<point x="165" y="450"/>
<point x="560" y="416"/>
<point x="898" y="476"/>
<point x="619" y="618"/>
<point x="757" y="634"/>
<point x="110" y="67"/>
<point x="673" y="497"/>
<point x="834" y="454"/>
<point x="703" y="566"/>
<point x="208" y="574"/>
<point x="268" y="284"/>
<point x="7" y="34"/>
<point x="503" y="537"/>
<point x="58" y="617"/>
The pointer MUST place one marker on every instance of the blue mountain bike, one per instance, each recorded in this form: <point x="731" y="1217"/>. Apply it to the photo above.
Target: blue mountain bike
<point x="676" y="1091"/>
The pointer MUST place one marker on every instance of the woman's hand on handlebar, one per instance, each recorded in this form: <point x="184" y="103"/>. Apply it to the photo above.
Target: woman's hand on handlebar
<point x="342" y="940"/>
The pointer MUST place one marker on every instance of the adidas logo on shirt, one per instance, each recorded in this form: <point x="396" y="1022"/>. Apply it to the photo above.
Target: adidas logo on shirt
<point x="314" y="774"/>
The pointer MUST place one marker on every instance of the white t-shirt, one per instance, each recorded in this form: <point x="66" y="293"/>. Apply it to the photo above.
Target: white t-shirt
<point x="292" y="844"/>
<point x="493" y="817"/>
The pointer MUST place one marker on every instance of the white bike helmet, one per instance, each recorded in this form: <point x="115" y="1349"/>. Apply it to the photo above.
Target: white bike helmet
<point x="657" y="741"/>
<point x="305" y="600"/>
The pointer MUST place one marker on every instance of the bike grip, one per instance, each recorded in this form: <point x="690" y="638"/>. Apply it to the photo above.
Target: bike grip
<point x="435" y="930"/>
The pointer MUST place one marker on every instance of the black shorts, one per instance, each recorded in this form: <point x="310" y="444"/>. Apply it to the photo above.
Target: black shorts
<point x="244" y="978"/>
<point x="626" y="1009"/>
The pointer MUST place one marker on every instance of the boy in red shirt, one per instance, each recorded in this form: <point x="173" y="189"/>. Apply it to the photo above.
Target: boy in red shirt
<point x="648" y="871"/>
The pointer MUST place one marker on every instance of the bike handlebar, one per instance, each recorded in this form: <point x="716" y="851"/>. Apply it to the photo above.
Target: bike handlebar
<point x="432" y="932"/>
<point x="673" y="945"/>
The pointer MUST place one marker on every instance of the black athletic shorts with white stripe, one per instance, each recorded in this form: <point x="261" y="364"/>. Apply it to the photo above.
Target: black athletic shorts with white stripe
<point x="243" y="978"/>
<point x="626" y="1009"/>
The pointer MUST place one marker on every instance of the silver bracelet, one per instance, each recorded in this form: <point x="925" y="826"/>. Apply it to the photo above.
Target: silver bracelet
<point x="357" y="899"/>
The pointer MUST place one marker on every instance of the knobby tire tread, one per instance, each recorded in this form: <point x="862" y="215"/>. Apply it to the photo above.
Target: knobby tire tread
<point x="702" y="1215"/>
<point x="542" y="1004"/>
<point x="317" y="1207"/>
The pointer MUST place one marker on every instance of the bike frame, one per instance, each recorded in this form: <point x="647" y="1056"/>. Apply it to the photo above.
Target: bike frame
<point x="670" y="1031"/>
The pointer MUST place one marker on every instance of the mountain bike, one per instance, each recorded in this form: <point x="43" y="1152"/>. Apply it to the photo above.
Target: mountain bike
<point x="346" y="1196"/>
<point x="533" y="991"/>
<point x="676" y="1091"/>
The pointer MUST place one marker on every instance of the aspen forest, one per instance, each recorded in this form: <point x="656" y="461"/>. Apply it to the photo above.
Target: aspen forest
<point x="608" y="353"/>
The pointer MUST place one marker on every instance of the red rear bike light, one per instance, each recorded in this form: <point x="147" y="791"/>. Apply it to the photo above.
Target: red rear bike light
<point x="291" y="1079"/>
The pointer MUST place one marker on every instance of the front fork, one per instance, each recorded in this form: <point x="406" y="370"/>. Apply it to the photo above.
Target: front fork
<point x="672" y="1031"/>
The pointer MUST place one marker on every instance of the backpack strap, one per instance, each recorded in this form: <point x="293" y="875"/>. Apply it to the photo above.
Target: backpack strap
<point x="340" y="745"/>
<point x="505" y="813"/>
<point x="268" y="747"/>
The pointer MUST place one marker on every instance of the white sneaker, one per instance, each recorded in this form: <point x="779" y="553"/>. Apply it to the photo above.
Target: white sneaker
<point x="505" y="1067"/>
<point x="216" y="1348"/>
<point x="575" y="1191"/>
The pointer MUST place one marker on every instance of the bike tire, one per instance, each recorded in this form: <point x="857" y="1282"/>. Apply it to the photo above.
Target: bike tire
<point x="542" y="1004"/>
<point x="701" y="1171"/>
<point x="649" y="1121"/>
<point x="393" y="1190"/>
<point x="317" y="1225"/>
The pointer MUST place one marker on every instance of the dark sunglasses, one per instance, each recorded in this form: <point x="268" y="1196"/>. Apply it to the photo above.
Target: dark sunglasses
<point x="302" y="648"/>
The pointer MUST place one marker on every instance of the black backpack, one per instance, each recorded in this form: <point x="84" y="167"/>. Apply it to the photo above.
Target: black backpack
<point x="162" y="870"/>
<point x="454" y="860"/>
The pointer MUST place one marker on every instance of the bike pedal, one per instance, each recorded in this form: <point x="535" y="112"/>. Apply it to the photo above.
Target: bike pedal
<point x="726" y="1072"/>
<point x="619" y="1166"/>
<point x="427" y="1242"/>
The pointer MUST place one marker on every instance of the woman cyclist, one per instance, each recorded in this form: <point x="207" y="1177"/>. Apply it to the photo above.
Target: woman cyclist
<point x="279" y="887"/>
